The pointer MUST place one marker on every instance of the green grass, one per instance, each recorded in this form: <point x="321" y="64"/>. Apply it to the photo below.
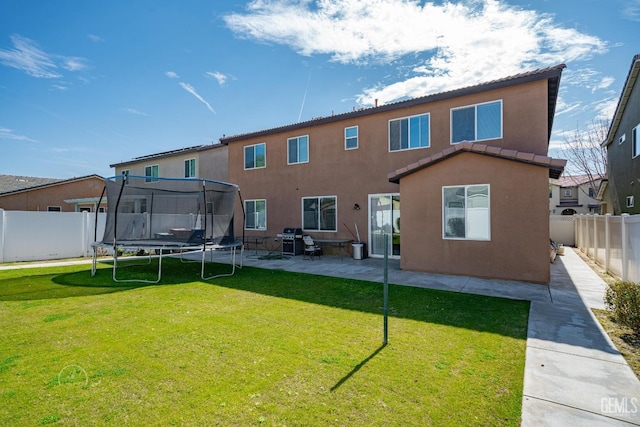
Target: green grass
<point x="263" y="347"/>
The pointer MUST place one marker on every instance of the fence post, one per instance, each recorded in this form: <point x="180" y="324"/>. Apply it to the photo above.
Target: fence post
<point x="595" y="237"/>
<point x="625" y="255"/>
<point x="83" y="237"/>
<point x="607" y="242"/>
<point x="1" y="236"/>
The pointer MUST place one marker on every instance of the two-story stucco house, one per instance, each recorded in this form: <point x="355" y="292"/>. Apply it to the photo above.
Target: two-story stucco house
<point x="466" y="169"/>
<point x="576" y="194"/>
<point x="201" y="161"/>
<point x="622" y="192"/>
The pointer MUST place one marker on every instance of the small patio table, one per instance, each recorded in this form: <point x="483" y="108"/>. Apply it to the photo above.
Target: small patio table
<point x="256" y="240"/>
<point x="336" y="243"/>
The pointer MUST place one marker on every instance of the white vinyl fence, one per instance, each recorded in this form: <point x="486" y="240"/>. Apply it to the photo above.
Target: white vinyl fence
<point x="562" y="229"/>
<point x="611" y="241"/>
<point x="37" y="236"/>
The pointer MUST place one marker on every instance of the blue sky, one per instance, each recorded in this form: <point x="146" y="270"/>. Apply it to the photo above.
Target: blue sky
<point x="87" y="84"/>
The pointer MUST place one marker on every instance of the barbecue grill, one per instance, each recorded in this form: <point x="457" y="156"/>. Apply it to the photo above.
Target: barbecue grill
<point x="292" y="243"/>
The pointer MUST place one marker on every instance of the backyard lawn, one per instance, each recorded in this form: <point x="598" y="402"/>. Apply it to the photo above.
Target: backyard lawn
<point x="263" y="347"/>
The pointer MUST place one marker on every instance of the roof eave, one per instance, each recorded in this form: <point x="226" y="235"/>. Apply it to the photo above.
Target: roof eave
<point x="630" y="82"/>
<point x="552" y="74"/>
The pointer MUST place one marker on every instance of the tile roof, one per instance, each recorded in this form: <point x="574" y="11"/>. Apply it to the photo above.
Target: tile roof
<point x="10" y="183"/>
<point x="555" y="166"/>
<point x="551" y="73"/>
<point x="17" y="184"/>
<point x="170" y="153"/>
<point x="575" y="180"/>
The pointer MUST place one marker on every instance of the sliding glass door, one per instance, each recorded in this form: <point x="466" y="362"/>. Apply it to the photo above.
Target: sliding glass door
<point x="384" y="218"/>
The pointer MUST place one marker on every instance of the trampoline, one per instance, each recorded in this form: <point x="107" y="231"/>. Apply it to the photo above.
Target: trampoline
<point x="168" y="217"/>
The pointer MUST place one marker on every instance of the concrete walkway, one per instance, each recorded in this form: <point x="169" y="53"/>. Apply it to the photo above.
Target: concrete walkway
<point x="574" y="375"/>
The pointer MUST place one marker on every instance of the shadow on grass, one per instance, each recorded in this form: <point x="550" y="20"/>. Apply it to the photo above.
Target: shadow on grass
<point x="474" y="312"/>
<point x="28" y="284"/>
<point x="357" y="368"/>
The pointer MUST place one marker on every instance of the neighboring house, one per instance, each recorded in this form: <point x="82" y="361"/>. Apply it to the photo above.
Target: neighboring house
<point x="621" y="194"/>
<point x="572" y="195"/>
<point x="201" y="161"/>
<point x="20" y="193"/>
<point x="468" y="170"/>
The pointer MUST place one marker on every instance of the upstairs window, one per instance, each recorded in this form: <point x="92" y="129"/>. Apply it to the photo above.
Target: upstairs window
<point x="319" y="213"/>
<point x="151" y="173"/>
<point x="298" y="150"/>
<point x="351" y="138"/>
<point x="476" y="122"/>
<point x="635" y="141"/>
<point x="125" y="174"/>
<point x="190" y="168"/>
<point x="255" y="156"/>
<point x="629" y="201"/>
<point x="409" y="133"/>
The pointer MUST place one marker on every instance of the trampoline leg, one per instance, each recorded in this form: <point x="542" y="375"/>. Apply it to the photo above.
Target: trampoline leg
<point x="233" y="265"/>
<point x="93" y="262"/>
<point x="115" y="265"/>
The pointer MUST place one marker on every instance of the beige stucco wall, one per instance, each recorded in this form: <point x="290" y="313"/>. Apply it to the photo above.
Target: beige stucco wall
<point x="519" y="245"/>
<point x="211" y="163"/>
<point x="54" y="195"/>
<point x="352" y="175"/>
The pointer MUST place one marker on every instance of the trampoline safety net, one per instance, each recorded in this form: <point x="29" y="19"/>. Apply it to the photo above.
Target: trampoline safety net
<point x="149" y="211"/>
<point x="161" y="214"/>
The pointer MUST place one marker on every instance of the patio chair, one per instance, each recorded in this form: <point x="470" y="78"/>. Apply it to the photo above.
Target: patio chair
<point x="310" y="248"/>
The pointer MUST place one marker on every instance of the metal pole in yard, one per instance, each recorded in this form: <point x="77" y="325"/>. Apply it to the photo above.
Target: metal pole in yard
<point x="386" y="291"/>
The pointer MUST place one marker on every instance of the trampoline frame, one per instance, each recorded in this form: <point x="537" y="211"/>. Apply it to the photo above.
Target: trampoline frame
<point x="170" y="246"/>
<point x="161" y="246"/>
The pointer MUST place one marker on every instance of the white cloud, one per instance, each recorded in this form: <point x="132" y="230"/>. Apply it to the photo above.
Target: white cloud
<point x="60" y="86"/>
<point x="95" y="38"/>
<point x="73" y="63"/>
<point x="172" y="75"/>
<point x="449" y="45"/>
<point x="27" y="56"/>
<point x="135" y="112"/>
<point x="631" y="10"/>
<point x="6" y="133"/>
<point x="192" y="91"/>
<point x="221" y="78"/>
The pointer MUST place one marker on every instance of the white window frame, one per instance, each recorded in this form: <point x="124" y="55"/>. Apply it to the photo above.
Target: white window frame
<point x="152" y="177"/>
<point x="297" y="141"/>
<point x="351" y="138"/>
<point x="318" y="218"/>
<point x="475" y="108"/>
<point x="635" y="142"/>
<point x="253" y="148"/>
<point x="256" y="219"/>
<point x="190" y="168"/>
<point x="125" y="172"/>
<point x="568" y="192"/>
<point x="408" y="119"/>
<point x="630" y="201"/>
<point x="466" y="207"/>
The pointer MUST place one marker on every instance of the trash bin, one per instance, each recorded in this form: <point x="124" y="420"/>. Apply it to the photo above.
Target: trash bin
<point x="358" y="250"/>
